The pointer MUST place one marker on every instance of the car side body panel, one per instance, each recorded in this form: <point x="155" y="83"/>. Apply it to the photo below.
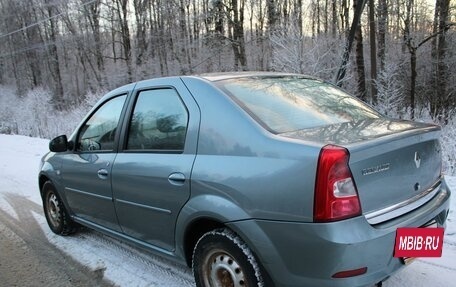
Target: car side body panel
<point x="258" y="167"/>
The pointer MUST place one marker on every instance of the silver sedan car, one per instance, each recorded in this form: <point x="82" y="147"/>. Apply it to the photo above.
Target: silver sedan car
<point x="251" y="179"/>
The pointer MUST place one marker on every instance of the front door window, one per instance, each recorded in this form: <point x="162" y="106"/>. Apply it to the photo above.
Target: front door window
<point x="98" y="133"/>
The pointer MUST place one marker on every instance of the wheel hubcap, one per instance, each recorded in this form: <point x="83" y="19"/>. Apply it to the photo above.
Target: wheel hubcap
<point x="53" y="209"/>
<point x="221" y="270"/>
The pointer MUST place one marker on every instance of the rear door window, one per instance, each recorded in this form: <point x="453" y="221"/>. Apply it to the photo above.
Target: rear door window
<point x="159" y="122"/>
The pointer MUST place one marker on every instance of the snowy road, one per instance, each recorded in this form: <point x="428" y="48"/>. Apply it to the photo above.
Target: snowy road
<point x="90" y="258"/>
<point x="29" y="259"/>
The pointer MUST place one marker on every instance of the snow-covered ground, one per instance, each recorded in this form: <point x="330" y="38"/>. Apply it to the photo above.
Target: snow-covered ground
<point x="125" y="265"/>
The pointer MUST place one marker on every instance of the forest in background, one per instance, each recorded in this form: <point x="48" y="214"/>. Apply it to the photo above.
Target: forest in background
<point x="58" y="56"/>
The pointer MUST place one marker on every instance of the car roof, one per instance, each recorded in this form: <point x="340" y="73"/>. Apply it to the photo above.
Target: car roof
<point x="231" y="75"/>
<point x="212" y="77"/>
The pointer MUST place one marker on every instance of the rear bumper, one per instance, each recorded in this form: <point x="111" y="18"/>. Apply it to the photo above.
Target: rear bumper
<point x="308" y="254"/>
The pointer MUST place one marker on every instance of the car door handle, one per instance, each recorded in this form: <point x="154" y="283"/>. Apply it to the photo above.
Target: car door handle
<point x="102" y="173"/>
<point x="176" y="178"/>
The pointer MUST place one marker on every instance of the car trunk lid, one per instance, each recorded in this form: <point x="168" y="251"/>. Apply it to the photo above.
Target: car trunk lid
<point x="392" y="161"/>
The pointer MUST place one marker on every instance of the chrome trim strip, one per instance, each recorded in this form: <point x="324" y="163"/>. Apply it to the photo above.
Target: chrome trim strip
<point x="88" y="193"/>
<point x="167" y="211"/>
<point x="403" y="207"/>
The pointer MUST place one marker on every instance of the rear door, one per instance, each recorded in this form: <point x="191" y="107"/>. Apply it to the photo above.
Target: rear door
<point x="151" y="174"/>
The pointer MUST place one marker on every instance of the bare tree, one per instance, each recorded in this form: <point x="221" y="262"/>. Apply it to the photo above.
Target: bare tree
<point x="382" y="30"/>
<point x="53" y="57"/>
<point x="271" y="8"/>
<point x="235" y="10"/>
<point x="32" y="35"/>
<point x="359" y="60"/>
<point x="141" y="29"/>
<point x="441" y="75"/>
<point x="373" y="52"/>
<point x="122" y="14"/>
<point x="412" y="48"/>
<point x="349" y="43"/>
<point x="334" y="22"/>
<point x="93" y="12"/>
<point x="184" y="38"/>
<point x="344" y="16"/>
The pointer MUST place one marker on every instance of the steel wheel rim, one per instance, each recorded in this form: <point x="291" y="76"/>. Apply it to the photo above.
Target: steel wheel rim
<point x="53" y="210"/>
<point x="220" y="269"/>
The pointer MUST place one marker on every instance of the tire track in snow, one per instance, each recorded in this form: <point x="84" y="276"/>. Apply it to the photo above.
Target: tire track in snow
<point x="30" y="259"/>
<point x="437" y="265"/>
<point x="444" y="261"/>
<point x="143" y="263"/>
<point x="121" y="263"/>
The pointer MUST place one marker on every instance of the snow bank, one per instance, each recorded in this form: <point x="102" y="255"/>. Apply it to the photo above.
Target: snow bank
<point x="40" y="119"/>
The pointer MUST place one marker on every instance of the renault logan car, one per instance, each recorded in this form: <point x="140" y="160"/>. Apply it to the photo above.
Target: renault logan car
<point x="251" y="179"/>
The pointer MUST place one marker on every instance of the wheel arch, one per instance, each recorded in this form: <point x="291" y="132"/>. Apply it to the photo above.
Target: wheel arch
<point x="42" y="179"/>
<point x="202" y="214"/>
<point x="55" y="210"/>
<point x="196" y="229"/>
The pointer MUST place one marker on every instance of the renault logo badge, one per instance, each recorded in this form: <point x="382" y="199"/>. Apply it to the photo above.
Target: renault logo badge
<point x="417" y="160"/>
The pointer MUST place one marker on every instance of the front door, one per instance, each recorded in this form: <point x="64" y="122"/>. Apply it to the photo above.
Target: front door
<point x="86" y="172"/>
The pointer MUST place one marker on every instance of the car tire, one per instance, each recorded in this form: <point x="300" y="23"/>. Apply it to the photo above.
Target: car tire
<point x="56" y="215"/>
<point x="222" y="258"/>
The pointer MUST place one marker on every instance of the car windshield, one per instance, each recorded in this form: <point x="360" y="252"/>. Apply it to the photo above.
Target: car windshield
<point x="290" y="103"/>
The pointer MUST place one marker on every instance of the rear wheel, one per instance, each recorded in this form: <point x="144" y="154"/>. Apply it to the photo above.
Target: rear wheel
<point x="56" y="215"/>
<point x="222" y="259"/>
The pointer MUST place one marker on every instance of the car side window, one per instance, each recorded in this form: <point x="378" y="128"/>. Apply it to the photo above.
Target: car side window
<point x="98" y="133"/>
<point x="159" y="122"/>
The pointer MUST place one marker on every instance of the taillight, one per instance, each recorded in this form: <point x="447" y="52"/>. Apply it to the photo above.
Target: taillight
<point x="336" y="196"/>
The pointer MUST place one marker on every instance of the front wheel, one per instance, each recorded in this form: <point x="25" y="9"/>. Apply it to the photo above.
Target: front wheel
<point x="222" y="259"/>
<point x="56" y="215"/>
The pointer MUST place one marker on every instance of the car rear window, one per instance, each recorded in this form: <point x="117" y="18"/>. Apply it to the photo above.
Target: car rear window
<point x="285" y="104"/>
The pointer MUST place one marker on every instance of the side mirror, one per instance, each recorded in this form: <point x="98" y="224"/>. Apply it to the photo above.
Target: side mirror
<point x="59" y="144"/>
